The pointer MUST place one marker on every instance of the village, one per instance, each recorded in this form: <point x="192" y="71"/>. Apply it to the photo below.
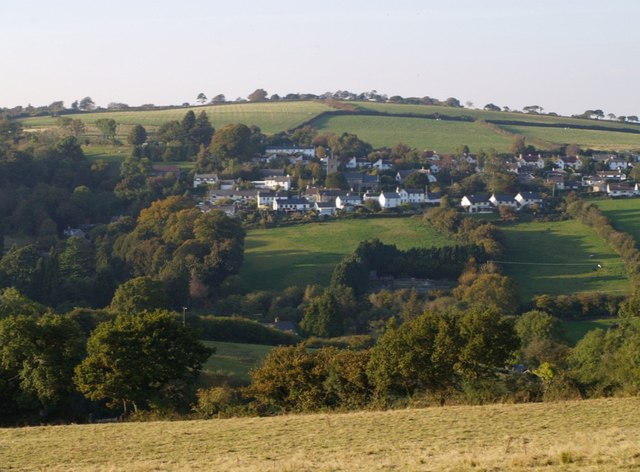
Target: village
<point x="536" y="177"/>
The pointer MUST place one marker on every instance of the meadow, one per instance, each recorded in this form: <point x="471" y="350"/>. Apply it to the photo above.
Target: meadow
<point x="560" y="258"/>
<point x="277" y="258"/>
<point x="271" y="117"/>
<point x="440" y="136"/>
<point x="586" y="436"/>
<point x="593" y="139"/>
<point x="624" y="213"/>
<point x="235" y="359"/>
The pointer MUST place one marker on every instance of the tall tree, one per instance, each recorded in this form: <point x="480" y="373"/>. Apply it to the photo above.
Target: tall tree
<point x="258" y="95"/>
<point x="142" y="360"/>
<point x="137" y="136"/>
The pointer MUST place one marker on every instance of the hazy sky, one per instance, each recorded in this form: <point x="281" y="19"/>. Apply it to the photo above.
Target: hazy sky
<point x="564" y="55"/>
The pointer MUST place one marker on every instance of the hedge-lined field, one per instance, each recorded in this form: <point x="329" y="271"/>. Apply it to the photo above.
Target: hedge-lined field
<point x="270" y="117"/>
<point x="593" y="139"/>
<point x="589" y="435"/>
<point x="277" y="258"/>
<point x="434" y="135"/>
<point x="624" y="213"/>
<point x="561" y="258"/>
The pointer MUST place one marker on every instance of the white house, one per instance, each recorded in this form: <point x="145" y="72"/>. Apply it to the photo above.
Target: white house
<point x="412" y="196"/>
<point x="504" y="199"/>
<point x="476" y="203"/>
<point x="568" y="162"/>
<point x="382" y="164"/>
<point x="204" y="179"/>
<point x="266" y="198"/>
<point x="347" y="200"/>
<point x="389" y="200"/>
<point x="240" y="196"/>
<point x="324" y="208"/>
<point x="617" y="163"/>
<point x="274" y="182"/>
<point x="291" y="204"/>
<point x="616" y="175"/>
<point x="530" y="161"/>
<point x="621" y="190"/>
<point x="528" y="198"/>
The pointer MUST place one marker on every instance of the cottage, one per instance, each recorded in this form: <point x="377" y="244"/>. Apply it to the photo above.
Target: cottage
<point x="411" y="196"/>
<point x="612" y="175"/>
<point x="347" y="199"/>
<point x="568" y="162"/>
<point x="621" y="190"/>
<point x="389" y="200"/>
<point x="382" y="164"/>
<point x="324" y="208"/>
<point x="503" y="199"/>
<point x="240" y="196"/>
<point x="617" y="163"/>
<point x="265" y="198"/>
<point x="274" y="182"/>
<point x="529" y="161"/>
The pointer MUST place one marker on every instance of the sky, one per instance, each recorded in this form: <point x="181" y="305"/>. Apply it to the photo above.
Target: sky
<point x="566" y="56"/>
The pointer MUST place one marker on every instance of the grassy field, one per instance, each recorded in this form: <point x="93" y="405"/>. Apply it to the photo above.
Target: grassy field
<point x="235" y="358"/>
<point x="440" y="136"/>
<point x="396" y="108"/>
<point x="269" y="117"/>
<point x="624" y="214"/>
<point x="277" y="258"/>
<point x="575" y="330"/>
<point x="586" y="436"/>
<point x="561" y="258"/>
<point x="599" y="140"/>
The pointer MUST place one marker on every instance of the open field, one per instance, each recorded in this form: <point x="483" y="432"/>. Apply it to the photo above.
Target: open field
<point x="269" y="117"/>
<point x="397" y="108"/>
<point x="236" y="359"/>
<point x="593" y="435"/>
<point x="560" y="258"/>
<point x="594" y="139"/>
<point x="575" y="330"/>
<point x="440" y="136"/>
<point x="277" y="258"/>
<point x="624" y="213"/>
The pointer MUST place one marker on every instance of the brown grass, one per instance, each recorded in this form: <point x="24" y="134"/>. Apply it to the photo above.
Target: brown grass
<point x="596" y="435"/>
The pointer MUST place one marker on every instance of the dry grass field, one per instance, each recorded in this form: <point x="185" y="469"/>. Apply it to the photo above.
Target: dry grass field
<point x="596" y="435"/>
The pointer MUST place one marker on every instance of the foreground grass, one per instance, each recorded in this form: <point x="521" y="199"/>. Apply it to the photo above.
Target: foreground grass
<point x="595" y="435"/>
<point x="560" y="258"/>
<point x="277" y="258"/>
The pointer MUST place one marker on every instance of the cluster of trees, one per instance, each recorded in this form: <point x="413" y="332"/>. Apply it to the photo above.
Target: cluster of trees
<point x="50" y="368"/>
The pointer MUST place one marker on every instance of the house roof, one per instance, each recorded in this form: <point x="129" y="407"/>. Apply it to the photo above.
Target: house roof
<point x="324" y="205"/>
<point x="479" y="198"/>
<point x="504" y="197"/>
<point x="530" y="195"/>
<point x="271" y="172"/>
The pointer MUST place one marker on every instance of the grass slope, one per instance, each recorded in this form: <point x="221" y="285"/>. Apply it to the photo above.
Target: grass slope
<point x="236" y="359"/>
<point x="623" y="213"/>
<point x="269" y="117"/>
<point x="594" y="139"/>
<point x="586" y="436"/>
<point x="441" y="136"/>
<point x="559" y="258"/>
<point x="276" y="258"/>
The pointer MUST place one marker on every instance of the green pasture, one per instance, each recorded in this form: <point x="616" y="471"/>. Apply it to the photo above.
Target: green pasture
<point x="624" y="213"/>
<point x="236" y="359"/>
<point x="575" y="330"/>
<point x="397" y="108"/>
<point x="599" y="140"/>
<point x="277" y="258"/>
<point x="560" y="258"/>
<point x="441" y="136"/>
<point x="270" y="117"/>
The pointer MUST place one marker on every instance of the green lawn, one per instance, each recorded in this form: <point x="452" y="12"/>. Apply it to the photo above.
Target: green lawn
<point x="236" y="359"/>
<point x="269" y="117"/>
<point x="602" y="140"/>
<point x="440" y="136"/>
<point x="560" y="258"/>
<point x="277" y="258"/>
<point x="624" y="214"/>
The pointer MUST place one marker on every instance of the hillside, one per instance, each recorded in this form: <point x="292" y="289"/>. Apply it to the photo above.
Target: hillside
<point x="386" y="124"/>
<point x="594" y="435"/>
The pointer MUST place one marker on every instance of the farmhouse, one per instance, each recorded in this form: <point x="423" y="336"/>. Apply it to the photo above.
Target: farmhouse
<point x="324" y="208"/>
<point x="266" y="198"/>
<point x="348" y="199"/>
<point x="389" y="200"/>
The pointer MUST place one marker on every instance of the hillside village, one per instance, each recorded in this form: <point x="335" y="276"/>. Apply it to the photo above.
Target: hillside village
<point x="380" y="185"/>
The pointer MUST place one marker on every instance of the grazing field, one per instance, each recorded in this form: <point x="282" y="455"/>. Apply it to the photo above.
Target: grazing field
<point x="277" y="258"/>
<point x="589" y="435"/>
<point x="624" y="213"/>
<point x="236" y="359"/>
<point x="560" y="258"/>
<point x="440" y="136"/>
<point x="269" y="117"/>
<point x="575" y="330"/>
<point x="594" y="139"/>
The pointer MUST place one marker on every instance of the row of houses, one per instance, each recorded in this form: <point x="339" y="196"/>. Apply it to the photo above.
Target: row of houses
<point x="483" y="203"/>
